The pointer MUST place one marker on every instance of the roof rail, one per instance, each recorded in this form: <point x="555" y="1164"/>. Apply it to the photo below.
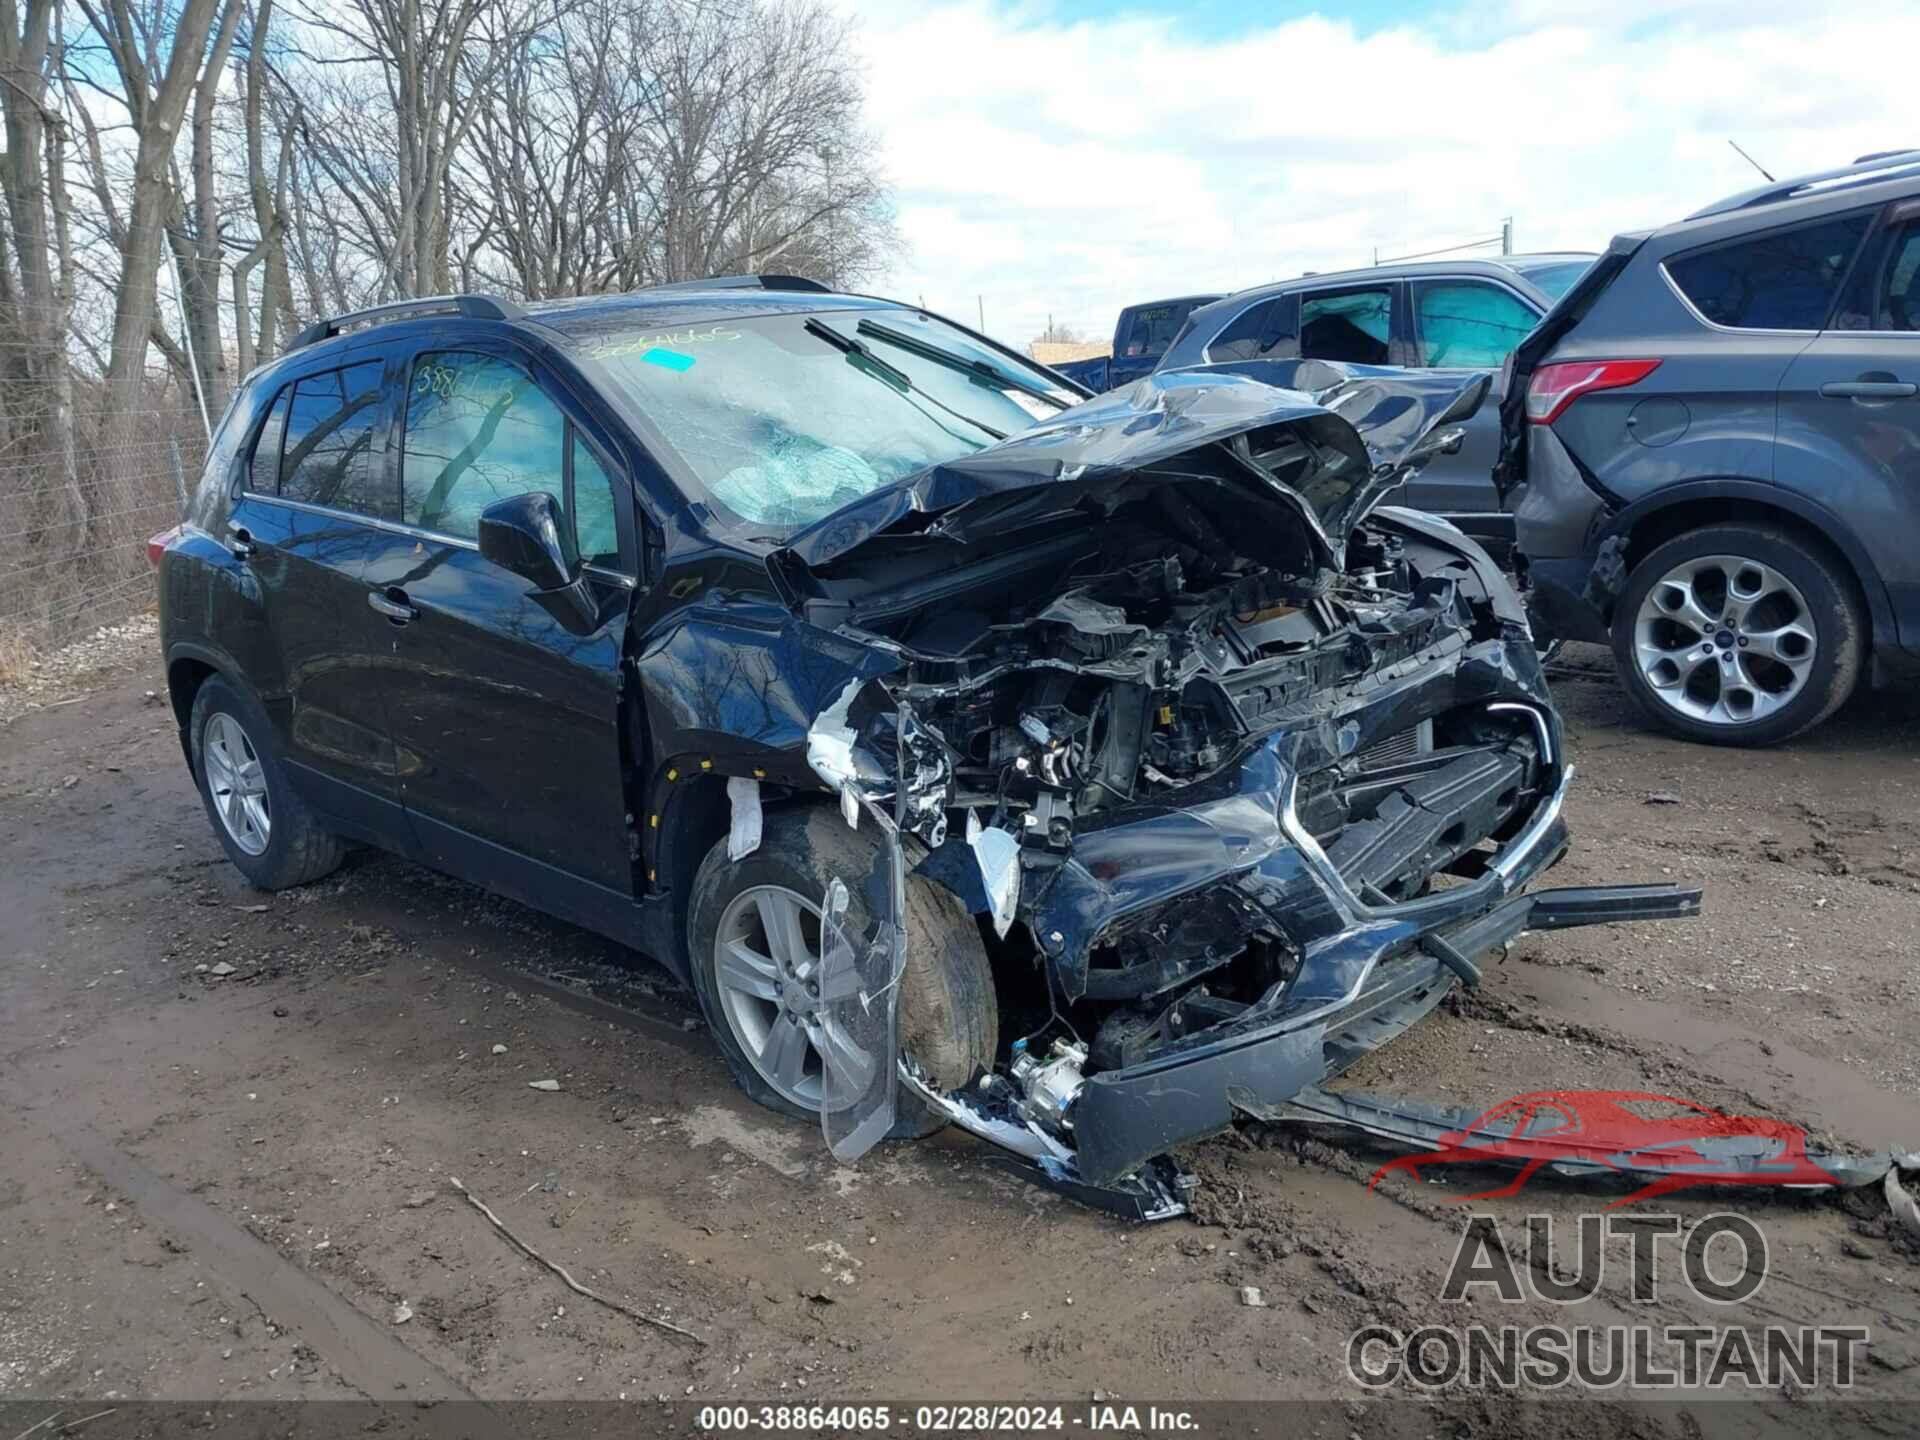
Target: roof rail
<point x="1867" y="170"/>
<point x="475" y="307"/>
<point x="746" y="282"/>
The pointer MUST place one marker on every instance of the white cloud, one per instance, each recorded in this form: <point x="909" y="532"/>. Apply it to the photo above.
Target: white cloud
<point x="1066" y="167"/>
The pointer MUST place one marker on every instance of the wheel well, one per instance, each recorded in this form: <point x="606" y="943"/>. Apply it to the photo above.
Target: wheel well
<point x="694" y="816"/>
<point x="184" y="679"/>
<point x="1670" y="523"/>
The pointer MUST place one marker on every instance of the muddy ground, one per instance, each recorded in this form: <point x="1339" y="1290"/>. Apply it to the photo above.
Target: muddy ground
<point x="242" y="1184"/>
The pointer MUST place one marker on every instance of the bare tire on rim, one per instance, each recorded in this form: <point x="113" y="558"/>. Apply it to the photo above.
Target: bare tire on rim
<point x="753" y="939"/>
<point x="1739" y="634"/>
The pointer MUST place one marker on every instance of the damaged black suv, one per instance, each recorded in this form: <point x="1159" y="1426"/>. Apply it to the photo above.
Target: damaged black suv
<point x="977" y="751"/>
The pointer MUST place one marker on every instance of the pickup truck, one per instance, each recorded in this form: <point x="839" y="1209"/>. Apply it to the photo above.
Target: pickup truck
<point x="1140" y="338"/>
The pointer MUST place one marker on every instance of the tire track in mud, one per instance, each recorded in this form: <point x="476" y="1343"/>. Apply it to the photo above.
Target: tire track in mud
<point x="364" y="1354"/>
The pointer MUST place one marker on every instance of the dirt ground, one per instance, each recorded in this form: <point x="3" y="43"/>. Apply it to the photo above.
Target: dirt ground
<point x="241" y="1184"/>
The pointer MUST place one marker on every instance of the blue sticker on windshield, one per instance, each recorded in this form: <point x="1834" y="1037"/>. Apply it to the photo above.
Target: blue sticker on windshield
<point x="668" y="359"/>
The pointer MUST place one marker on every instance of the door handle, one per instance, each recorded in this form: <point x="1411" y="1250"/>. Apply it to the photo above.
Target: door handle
<point x="392" y="603"/>
<point x="1887" y="389"/>
<point x="239" y="541"/>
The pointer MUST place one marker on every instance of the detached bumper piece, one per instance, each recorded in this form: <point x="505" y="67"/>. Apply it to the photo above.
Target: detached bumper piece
<point x="1715" y="1150"/>
<point x="1124" y="1118"/>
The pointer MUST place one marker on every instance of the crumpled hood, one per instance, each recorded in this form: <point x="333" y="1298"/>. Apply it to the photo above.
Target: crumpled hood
<point x="1205" y="425"/>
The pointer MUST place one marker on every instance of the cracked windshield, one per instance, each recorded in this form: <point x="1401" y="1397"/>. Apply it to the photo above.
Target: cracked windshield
<point x="783" y="419"/>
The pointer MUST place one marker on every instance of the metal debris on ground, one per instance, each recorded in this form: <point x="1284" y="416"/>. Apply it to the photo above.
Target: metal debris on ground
<point x="1899" y="1199"/>
<point x="543" y="1084"/>
<point x="1529" y="1131"/>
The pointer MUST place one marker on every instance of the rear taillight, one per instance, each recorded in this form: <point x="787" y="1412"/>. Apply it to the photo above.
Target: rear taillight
<point x="1554" y="387"/>
<point x="157" y="544"/>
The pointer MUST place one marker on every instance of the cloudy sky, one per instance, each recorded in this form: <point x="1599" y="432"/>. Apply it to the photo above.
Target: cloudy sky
<point x="1067" y="158"/>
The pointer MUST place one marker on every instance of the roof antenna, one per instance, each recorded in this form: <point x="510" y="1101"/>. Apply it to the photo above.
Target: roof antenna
<point x="1751" y="161"/>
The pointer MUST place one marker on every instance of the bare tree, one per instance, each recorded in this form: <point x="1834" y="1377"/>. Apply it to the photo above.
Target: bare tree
<point x="436" y="61"/>
<point x="36" y="278"/>
<point x="160" y="59"/>
<point x="669" y="140"/>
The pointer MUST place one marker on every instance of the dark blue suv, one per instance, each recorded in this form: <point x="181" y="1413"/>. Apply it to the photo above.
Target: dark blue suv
<point x="1711" y="448"/>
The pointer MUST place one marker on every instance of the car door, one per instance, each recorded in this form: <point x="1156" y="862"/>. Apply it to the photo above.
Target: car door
<point x="503" y="703"/>
<point x="1466" y="324"/>
<point x="1849" y="414"/>
<point x="309" y="502"/>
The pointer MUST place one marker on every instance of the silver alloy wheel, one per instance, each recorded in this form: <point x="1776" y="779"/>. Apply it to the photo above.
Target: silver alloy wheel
<point x="1725" y="640"/>
<point x="237" y="783"/>
<point x="766" y="965"/>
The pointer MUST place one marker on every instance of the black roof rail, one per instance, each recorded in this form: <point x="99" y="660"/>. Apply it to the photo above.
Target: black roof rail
<point x="474" y="307"/>
<point x="746" y="282"/>
<point x="1867" y="170"/>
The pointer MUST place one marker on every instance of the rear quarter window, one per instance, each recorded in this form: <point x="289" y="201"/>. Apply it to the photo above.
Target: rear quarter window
<point x="1782" y="280"/>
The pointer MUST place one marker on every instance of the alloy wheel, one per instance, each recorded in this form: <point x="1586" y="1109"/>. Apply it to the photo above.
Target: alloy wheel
<point x="1724" y="640"/>
<point x="237" y="784"/>
<point x="777" y="1003"/>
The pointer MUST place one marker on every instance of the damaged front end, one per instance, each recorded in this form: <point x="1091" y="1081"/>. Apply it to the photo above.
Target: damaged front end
<point x="1242" y="770"/>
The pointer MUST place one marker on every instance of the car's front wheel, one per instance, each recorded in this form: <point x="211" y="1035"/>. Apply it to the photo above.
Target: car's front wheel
<point x="268" y="832"/>
<point x="754" y="940"/>
<point x="1739" y="634"/>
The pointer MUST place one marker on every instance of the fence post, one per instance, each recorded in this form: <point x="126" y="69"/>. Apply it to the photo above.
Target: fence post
<point x="179" y="473"/>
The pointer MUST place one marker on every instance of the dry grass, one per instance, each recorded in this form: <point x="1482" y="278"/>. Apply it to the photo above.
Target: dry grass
<point x="16" y="654"/>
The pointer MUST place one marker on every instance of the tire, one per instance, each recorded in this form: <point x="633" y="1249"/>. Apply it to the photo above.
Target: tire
<point x="1799" y="605"/>
<point x="949" y="1013"/>
<point x="294" y="848"/>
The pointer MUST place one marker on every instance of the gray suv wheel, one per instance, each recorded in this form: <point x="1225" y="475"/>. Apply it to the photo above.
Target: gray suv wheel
<point x="1738" y="634"/>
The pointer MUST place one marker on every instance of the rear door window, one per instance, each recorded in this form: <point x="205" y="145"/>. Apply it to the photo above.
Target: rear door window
<point x="1468" y="323"/>
<point x="1899" y="302"/>
<point x="1784" y="280"/>
<point x="1265" y="331"/>
<point x="326" y="454"/>
<point x="263" y="471"/>
<point x="1353" y="326"/>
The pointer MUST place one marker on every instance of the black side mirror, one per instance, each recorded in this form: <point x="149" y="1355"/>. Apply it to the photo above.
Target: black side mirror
<point x="528" y="535"/>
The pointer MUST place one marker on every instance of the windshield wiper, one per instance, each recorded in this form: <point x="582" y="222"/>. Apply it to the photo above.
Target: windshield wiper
<point x="863" y="358"/>
<point x="966" y="365"/>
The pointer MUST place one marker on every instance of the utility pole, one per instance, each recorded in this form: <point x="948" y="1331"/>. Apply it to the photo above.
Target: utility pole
<point x="983" y="312"/>
<point x="1506" y="236"/>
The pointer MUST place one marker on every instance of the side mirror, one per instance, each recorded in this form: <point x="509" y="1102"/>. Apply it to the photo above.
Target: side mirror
<point x="528" y="536"/>
<point x="1466" y="404"/>
<point x="1443" y="435"/>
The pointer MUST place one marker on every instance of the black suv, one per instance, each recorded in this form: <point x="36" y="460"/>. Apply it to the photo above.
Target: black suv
<point x="976" y="753"/>
<point x="1711" y="447"/>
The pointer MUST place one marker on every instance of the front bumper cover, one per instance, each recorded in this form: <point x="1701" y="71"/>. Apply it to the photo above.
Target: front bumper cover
<point x="1125" y="1117"/>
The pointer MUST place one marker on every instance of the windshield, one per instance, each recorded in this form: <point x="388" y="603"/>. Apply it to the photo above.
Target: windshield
<point x="1557" y="278"/>
<point x="782" y="419"/>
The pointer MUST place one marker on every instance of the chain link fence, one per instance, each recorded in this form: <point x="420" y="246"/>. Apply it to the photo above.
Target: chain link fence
<point x="83" y="483"/>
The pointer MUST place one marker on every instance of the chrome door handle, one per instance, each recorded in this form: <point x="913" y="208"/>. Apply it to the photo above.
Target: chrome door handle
<point x="239" y="541"/>
<point x="1870" y="390"/>
<point x="396" y="610"/>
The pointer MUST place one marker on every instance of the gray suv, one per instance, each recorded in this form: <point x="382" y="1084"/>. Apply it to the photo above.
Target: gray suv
<point x="1461" y="315"/>
<point x="1711" y="448"/>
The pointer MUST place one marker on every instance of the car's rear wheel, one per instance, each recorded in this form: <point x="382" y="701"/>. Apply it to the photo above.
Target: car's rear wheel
<point x="268" y="832"/>
<point x="1739" y="635"/>
<point x="754" y="943"/>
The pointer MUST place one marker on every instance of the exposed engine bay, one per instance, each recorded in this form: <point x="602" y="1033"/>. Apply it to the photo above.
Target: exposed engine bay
<point x="1224" y="777"/>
